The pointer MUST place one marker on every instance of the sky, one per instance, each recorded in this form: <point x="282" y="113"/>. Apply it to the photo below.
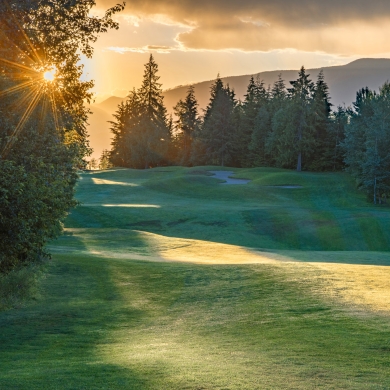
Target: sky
<point x="193" y="41"/>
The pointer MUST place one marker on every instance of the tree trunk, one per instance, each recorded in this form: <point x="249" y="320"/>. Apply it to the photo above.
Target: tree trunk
<point x="299" y="164"/>
<point x="375" y="191"/>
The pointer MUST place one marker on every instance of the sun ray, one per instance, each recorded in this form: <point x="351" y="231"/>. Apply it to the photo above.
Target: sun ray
<point x="22" y="121"/>
<point x="21" y="101"/>
<point x="19" y="66"/>
<point x="21" y="29"/>
<point x="24" y="53"/>
<point x="17" y="88"/>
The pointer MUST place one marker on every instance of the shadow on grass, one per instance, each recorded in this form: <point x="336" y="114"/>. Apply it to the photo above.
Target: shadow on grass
<point x="52" y="344"/>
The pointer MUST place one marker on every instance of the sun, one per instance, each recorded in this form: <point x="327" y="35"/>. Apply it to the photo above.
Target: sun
<point x="49" y="75"/>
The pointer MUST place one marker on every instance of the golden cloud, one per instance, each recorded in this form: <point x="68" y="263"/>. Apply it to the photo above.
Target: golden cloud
<point x="347" y="27"/>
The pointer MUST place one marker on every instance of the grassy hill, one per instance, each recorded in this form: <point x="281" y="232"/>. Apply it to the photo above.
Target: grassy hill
<point x="169" y="279"/>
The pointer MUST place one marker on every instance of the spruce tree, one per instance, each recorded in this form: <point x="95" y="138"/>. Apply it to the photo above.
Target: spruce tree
<point x="216" y="133"/>
<point x="141" y="133"/>
<point x="320" y="110"/>
<point x="333" y="156"/>
<point x="293" y="134"/>
<point x="257" y="146"/>
<point x="154" y="117"/>
<point x="367" y="142"/>
<point x="255" y="98"/>
<point x="187" y="123"/>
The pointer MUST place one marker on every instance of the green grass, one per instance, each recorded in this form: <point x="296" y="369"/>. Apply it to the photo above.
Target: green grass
<point x="106" y="320"/>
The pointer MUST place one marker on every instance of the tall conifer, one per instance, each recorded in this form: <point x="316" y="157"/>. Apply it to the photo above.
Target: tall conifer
<point x="141" y="132"/>
<point x="187" y="123"/>
<point x="216" y="133"/>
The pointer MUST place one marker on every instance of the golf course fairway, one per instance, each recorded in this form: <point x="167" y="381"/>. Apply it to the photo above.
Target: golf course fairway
<point x="168" y="279"/>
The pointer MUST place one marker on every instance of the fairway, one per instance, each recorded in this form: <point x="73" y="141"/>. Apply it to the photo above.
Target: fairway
<point x="168" y="279"/>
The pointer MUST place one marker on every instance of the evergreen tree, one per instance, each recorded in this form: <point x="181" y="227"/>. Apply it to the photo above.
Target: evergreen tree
<point x="320" y="110"/>
<point x="141" y="131"/>
<point x="293" y="134"/>
<point x="333" y="156"/>
<point x="187" y="123"/>
<point x="217" y="129"/>
<point x="118" y="154"/>
<point x="157" y="136"/>
<point x="278" y="95"/>
<point x="368" y="142"/>
<point x="257" y="146"/>
<point x="127" y="117"/>
<point x="278" y="99"/>
<point x="255" y="98"/>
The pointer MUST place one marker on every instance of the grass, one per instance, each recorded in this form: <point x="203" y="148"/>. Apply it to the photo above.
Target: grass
<point x="191" y="285"/>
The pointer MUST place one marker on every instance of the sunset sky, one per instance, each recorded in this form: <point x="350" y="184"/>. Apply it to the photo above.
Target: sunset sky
<point x="194" y="40"/>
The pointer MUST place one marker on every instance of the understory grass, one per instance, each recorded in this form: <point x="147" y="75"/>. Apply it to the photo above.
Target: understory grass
<point x="106" y="319"/>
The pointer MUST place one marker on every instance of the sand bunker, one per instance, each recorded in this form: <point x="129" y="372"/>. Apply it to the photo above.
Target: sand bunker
<point x="224" y="175"/>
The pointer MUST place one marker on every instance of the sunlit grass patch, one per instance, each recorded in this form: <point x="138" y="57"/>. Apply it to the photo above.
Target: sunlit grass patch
<point x="212" y="290"/>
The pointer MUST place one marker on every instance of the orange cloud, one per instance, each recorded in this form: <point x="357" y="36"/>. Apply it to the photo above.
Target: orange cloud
<point x="340" y="27"/>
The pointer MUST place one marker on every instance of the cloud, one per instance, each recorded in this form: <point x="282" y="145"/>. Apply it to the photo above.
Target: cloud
<point x="144" y="49"/>
<point x="333" y="26"/>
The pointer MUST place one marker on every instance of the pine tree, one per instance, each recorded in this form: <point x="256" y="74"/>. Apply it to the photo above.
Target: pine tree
<point x="292" y="131"/>
<point x="187" y="123"/>
<point x="255" y="98"/>
<point x="157" y="136"/>
<point x="141" y="133"/>
<point x="320" y="110"/>
<point x="216" y="133"/>
<point x="367" y="142"/>
<point x="278" y="95"/>
<point x="301" y="96"/>
<point x="333" y="156"/>
<point x="257" y="146"/>
<point x="278" y="99"/>
<point x="127" y="117"/>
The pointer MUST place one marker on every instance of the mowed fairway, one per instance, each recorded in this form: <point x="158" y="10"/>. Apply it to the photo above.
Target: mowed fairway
<point x="168" y="279"/>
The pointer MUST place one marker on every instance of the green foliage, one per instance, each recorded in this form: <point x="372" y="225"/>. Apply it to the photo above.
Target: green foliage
<point x="141" y="131"/>
<point x="187" y="124"/>
<point x="34" y="198"/>
<point x="256" y="100"/>
<point x="42" y="125"/>
<point x="214" y="143"/>
<point x="367" y="142"/>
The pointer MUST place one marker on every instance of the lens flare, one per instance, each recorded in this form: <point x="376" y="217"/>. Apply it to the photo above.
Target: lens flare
<point x="49" y="75"/>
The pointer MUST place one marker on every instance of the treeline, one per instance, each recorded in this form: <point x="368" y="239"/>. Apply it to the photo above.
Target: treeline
<point x="281" y="126"/>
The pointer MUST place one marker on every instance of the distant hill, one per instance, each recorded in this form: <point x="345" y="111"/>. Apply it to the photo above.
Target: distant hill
<point x="98" y="130"/>
<point x="344" y="81"/>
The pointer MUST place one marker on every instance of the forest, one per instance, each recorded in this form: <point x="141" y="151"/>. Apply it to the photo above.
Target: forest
<point x="285" y="125"/>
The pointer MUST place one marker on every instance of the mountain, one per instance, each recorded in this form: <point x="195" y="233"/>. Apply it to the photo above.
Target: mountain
<point x="344" y="81"/>
<point x="99" y="131"/>
<point x="110" y="105"/>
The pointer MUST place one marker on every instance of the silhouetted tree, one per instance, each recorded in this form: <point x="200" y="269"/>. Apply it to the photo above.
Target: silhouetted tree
<point x="216" y="133"/>
<point x="141" y="130"/>
<point x="187" y="123"/>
